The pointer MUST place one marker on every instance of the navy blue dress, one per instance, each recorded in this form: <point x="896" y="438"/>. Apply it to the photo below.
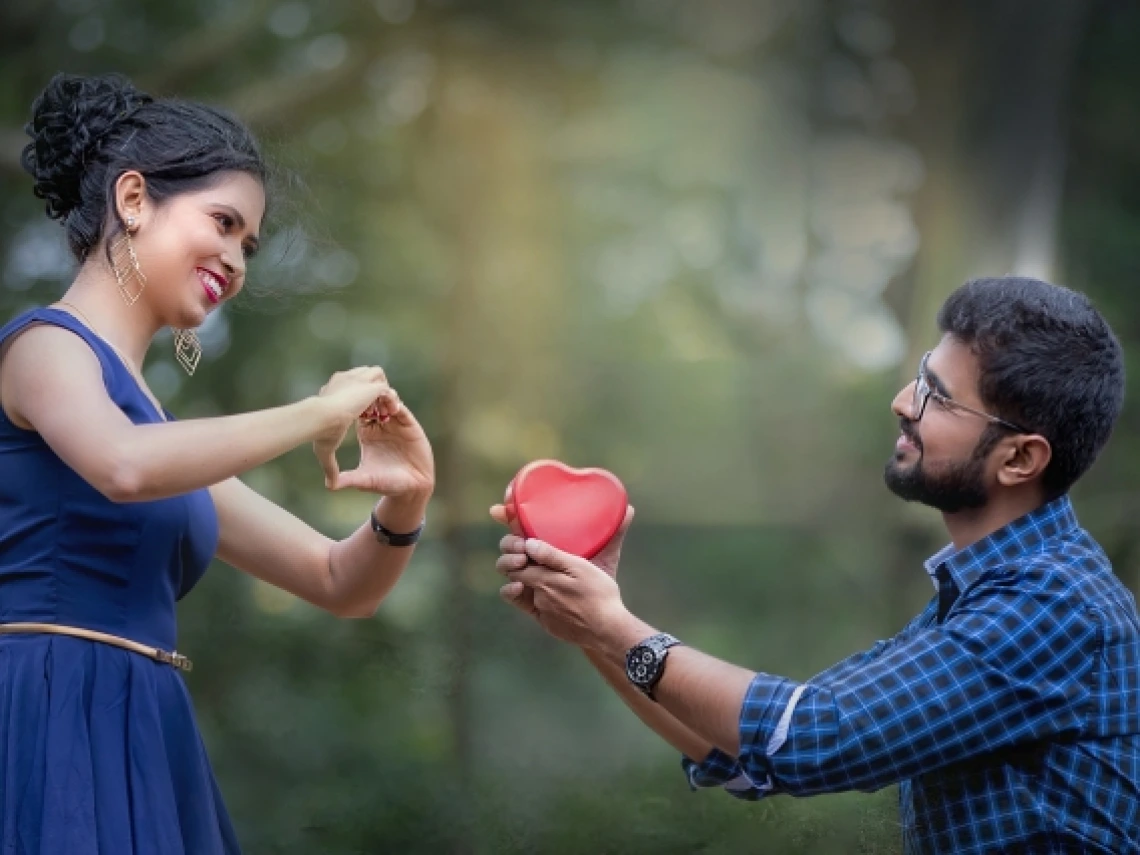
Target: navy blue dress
<point x="99" y="750"/>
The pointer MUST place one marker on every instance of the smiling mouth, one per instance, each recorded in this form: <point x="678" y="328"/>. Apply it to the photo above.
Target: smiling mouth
<point x="215" y="286"/>
<point x="907" y="440"/>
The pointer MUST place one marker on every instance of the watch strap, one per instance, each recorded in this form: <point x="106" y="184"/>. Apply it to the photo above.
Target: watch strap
<point x="392" y="538"/>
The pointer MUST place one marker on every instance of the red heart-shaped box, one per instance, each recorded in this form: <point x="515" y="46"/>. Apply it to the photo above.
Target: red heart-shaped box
<point x="576" y="510"/>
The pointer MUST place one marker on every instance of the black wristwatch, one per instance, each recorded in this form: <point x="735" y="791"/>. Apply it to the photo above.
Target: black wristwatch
<point x="645" y="662"/>
<point x="392" y="538"/>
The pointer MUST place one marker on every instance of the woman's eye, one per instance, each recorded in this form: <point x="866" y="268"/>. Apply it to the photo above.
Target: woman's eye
<point x="224" y="220"/>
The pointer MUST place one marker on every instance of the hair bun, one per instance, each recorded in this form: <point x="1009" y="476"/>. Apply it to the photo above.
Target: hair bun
<point x="70" y="119"/>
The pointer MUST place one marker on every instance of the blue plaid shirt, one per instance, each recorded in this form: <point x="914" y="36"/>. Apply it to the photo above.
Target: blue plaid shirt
<point x="1008" y="711"/>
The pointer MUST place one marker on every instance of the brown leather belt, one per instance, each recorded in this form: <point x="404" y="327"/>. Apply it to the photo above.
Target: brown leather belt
<point x="166" y="657"/>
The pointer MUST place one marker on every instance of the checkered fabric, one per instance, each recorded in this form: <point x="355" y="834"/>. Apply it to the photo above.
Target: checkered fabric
<point x="1011" y="720"/>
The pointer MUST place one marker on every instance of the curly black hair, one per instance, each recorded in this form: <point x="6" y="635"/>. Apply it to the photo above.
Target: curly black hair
<point x="1047" y="361"/>
<point x="88" y="131"/>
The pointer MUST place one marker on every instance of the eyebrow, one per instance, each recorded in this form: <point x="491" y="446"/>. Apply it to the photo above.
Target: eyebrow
<point x="937" y="383"/>
<point x="240" y="220"/>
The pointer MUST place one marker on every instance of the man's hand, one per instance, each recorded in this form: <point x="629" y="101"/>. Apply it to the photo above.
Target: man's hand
<point x="573" y="599"/>
<point x="514" y="558"/>
<point x="579" y="601"/>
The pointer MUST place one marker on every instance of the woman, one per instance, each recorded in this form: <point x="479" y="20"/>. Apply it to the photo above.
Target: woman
<point x="110" y="510"/>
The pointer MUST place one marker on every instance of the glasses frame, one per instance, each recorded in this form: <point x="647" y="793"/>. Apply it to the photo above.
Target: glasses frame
<point x="924" y="391"/>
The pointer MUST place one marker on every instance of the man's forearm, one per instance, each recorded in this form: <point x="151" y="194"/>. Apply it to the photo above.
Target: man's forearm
<point x="655" y="717"/>
<point x="700" y="692"/>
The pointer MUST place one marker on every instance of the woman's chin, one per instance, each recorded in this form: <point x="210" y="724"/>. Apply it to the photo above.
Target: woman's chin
<point x="191" y="317"/>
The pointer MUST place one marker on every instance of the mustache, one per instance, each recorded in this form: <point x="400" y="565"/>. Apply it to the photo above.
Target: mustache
<point x="910" y="431"/>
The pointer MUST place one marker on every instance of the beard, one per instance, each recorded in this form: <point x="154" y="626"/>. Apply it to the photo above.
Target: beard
<point x="951" y="488"/>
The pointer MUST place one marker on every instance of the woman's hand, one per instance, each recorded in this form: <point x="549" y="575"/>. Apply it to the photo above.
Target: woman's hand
<point x="344" y="398"/>
<point x="395" y="455"/>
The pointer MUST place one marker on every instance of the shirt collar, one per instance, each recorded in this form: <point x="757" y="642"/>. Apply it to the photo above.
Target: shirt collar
<point x="931" y="563"/>
<point x="1024" y="536"/>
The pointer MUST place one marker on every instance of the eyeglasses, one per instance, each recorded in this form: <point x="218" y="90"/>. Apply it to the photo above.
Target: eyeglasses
<point x="923" y="392"/>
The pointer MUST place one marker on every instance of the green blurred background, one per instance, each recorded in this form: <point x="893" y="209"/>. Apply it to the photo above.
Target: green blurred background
<point x="698" y="242"/>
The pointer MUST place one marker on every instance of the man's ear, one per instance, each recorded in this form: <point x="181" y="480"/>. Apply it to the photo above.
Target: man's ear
<point x="1024" y="459"/>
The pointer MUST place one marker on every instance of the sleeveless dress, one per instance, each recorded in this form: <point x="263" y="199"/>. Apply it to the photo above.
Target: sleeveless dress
<point x="100" y="753"/>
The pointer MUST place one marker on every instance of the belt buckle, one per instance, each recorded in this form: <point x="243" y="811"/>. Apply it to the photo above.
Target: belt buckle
<point x="174" y="659"/>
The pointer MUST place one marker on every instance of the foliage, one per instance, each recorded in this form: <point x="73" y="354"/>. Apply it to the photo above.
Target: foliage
<point x="698" y="242"/>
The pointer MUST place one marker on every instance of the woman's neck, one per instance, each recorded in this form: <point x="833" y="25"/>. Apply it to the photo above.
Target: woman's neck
<point x="129" y="328"/>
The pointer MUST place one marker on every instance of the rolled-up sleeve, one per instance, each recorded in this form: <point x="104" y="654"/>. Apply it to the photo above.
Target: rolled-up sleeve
<point x="768" y="696"/>
<point x="1007" y="669"/>
<point x="722" y="770"/>
<point x="716" y="770"/>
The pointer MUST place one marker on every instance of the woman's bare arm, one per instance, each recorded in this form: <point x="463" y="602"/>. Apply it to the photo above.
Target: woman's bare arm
<point x="348" y="578"/>
<point x="52" y="382"/>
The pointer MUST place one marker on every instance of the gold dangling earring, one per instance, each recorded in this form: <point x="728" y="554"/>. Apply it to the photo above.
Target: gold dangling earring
<point x="187" y="350"/>
<point x="125" y="265"/>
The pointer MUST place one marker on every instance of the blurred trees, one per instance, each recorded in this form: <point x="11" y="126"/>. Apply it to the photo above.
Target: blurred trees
<point x="700" y="242"/>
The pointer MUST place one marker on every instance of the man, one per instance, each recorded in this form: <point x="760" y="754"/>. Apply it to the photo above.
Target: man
<point x="1009" y="709"/>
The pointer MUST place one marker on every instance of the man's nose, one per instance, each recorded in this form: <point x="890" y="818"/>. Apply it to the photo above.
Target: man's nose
<point x="903" y="404"/>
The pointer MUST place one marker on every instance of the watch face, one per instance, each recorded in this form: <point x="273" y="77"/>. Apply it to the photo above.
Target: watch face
<point x="642" y="665"/>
